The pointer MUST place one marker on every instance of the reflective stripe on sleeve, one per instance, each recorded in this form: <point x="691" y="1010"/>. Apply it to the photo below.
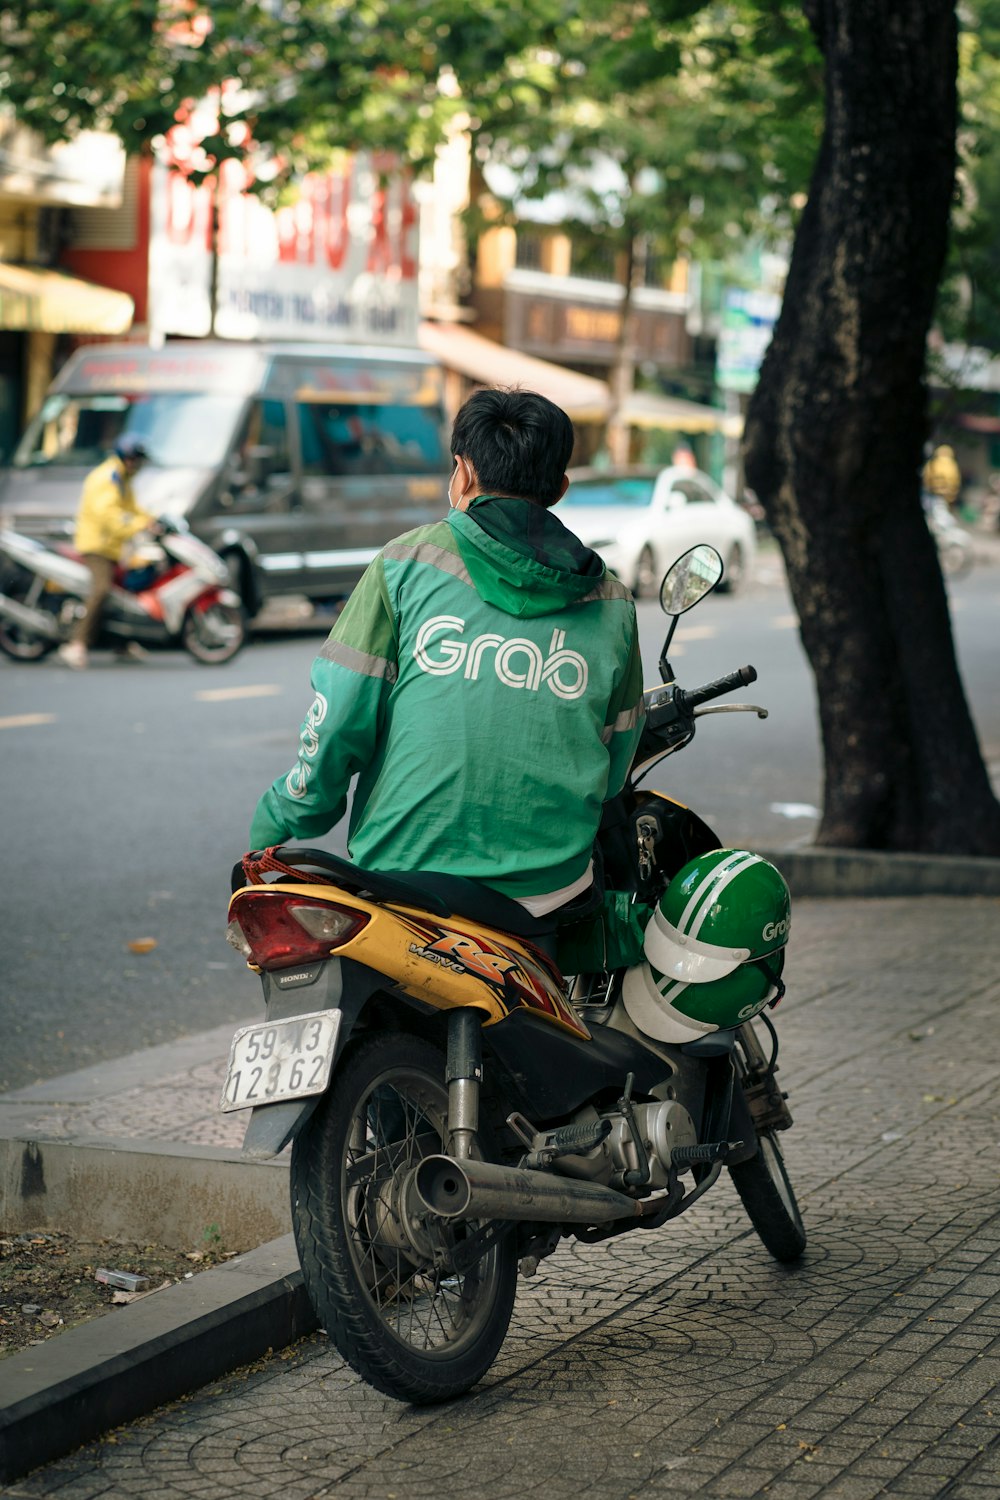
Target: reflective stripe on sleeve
<point x="608" y="588"/>
<point x="429" y="552"/>
<point x="627" y="720"/>
<point x="361" y="662"/>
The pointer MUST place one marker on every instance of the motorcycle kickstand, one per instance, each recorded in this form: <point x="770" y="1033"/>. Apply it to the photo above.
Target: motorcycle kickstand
<point x="464" y="1074"/>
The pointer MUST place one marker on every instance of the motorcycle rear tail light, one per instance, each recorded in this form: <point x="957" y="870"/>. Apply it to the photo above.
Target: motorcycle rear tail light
<point x="280" y="930"/>
<point x="235" y="939"/>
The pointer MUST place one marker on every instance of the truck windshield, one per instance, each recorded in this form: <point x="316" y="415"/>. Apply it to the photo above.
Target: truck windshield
<point x="180" y="431"/>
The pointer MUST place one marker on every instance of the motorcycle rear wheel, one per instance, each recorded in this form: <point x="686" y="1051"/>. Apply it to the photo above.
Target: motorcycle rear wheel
<point x="769" y="1199"/>
<point x="415" y="1332"/>
<point x="20" y="642"/>
<point x="214" y="635"/>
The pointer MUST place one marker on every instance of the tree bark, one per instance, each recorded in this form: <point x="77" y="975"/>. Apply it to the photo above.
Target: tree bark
<point x="835" y="434"/>
<point x="622" y="375"/>
<point x="215" y="185"/>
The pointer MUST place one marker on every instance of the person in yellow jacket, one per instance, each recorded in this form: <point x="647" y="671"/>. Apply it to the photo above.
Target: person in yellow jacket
<point x="107" y="517"/>
<point x="942" y="476"/>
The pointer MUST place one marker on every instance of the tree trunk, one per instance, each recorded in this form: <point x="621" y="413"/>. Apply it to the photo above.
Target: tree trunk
<point x="835" y="434"/>
<point x="622" y="375"/>
<point x="215" y="186"/>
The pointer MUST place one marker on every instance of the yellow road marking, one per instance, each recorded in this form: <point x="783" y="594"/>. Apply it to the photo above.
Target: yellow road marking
<point x="221" y="695"/>
<point x="25" y="721"/>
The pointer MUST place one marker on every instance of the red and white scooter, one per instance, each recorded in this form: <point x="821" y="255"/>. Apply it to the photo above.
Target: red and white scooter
<point x="179" y="596"/>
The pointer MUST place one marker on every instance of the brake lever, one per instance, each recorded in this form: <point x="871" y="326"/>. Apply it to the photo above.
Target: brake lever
<point x="732" y="708"/>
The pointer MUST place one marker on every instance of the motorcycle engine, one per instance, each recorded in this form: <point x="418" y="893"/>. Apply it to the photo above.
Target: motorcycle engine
<point x="662" y="1125"/>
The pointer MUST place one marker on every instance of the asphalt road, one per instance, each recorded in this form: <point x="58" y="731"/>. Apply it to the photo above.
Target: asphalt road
<point x="127" y="793"/>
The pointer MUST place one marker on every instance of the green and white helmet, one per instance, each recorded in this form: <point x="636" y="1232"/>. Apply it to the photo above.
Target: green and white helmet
<point x="715" y="947"/>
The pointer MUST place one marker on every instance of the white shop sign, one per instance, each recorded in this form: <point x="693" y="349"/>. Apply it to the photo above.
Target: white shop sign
<point x="340" y="264"/>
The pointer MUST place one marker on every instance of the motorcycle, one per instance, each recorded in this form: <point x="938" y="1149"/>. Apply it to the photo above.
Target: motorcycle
<point x="181" y="596"/>
<point x="456" y="1105"/>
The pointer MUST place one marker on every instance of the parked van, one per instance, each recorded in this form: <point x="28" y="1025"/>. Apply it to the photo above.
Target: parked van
<point x="295" y="462"/>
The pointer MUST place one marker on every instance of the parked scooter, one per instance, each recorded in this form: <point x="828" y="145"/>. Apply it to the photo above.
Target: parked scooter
<point x="181" y="596"/>
<point x="954" y="543"/>
<point x="457" y="1105"/>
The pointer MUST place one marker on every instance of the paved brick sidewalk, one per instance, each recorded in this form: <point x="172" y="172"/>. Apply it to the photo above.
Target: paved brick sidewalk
<point x="166" y="1093"/>
<point x="687" y="1363"/>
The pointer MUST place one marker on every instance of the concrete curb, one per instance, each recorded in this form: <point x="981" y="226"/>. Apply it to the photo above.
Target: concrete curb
<point x="863" y="872"/>
<point x="140" y="1190"/>
<point x="113" y="1369"/>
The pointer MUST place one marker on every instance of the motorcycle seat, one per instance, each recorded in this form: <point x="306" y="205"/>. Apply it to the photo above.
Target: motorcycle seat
<point x="478" y="902"/>
<point x="442" y="895"/>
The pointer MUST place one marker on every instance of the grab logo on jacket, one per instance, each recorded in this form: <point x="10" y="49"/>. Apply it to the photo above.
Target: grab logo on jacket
<point x="517" y="662"/>
<point x="298" y="778"/>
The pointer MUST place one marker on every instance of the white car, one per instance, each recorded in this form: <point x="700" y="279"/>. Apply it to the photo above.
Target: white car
<point x="640" y="520"/>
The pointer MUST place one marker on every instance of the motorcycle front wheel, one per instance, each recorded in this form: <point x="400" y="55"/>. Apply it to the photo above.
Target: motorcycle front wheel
<point x="416" y="1331"/>
<point x="214" y="635"/>
<point x="769" y="1199"/>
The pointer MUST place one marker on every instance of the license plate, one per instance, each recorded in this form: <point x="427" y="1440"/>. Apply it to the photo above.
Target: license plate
<point x="281" y="1060"/>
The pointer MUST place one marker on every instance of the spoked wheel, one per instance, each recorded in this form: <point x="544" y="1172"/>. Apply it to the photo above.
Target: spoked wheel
<point x="769" y="1199"/>
<point x="412" y="1325"/>
<point x="18" y="641"/>
<point x="214" y="635"/>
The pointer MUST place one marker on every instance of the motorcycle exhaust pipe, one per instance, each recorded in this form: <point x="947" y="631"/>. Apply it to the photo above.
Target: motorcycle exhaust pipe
<point x="32" y="619"/>
<point x="483" y="1190"/>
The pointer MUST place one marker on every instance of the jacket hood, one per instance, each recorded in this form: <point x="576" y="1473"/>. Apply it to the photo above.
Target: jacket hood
<point x="521" y="558"/>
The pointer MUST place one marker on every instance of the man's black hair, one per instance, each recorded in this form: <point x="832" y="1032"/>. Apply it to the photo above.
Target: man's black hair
<point x="518" y="442"/>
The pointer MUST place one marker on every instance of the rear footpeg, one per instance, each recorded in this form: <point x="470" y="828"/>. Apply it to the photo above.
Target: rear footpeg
<point x="546" y="1146"/>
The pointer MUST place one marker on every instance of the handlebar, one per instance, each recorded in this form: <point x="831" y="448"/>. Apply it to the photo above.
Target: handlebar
<point x="670" y="711"/>
<point x="692" y="698"/>
<point x="670" y="716"/>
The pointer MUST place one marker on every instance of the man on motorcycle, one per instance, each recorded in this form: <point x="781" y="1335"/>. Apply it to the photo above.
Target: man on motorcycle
<point x="483" y="680"/>
<point x="107" y="517"/>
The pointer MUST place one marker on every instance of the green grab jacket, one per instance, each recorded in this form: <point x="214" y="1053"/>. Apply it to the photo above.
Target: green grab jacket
<point x="484" y="683"/>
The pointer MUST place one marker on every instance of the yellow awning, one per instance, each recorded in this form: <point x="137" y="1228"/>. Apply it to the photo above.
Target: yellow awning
<point x="582" y="397"/>
<point x="647" y="409"/>
<point x="49" y="302"/>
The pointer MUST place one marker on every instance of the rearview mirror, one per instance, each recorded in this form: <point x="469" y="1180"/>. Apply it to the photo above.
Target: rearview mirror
<point x="692" y="576"/>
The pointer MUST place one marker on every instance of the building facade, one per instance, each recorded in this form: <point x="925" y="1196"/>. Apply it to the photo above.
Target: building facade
<point x="40" y="308"/>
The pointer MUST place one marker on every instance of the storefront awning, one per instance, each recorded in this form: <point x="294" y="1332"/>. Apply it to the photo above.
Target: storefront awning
<point x="581" y="397"/>
<point x="978" y="422"/>
<point x="48" y="302"/>
<point x="647" y="409"/>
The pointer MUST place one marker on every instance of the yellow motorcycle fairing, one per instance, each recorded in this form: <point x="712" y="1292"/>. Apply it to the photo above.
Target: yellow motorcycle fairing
<point x="445" y="963"/>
